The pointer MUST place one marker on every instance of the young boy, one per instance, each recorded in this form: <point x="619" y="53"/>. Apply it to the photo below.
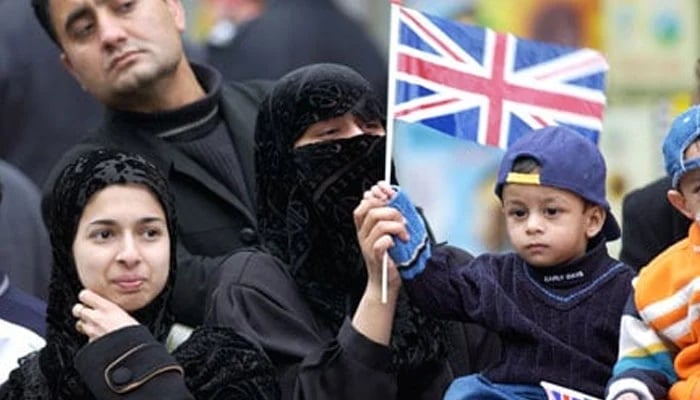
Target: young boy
<point x="659" y="347"/>
<point x="556" y="301"/>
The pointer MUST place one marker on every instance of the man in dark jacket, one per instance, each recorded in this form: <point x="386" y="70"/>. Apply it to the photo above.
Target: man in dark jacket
<point x="35" y="128"/>
<point x="650" y="223"/>
<point x="25" y="251"/>
<point x="292" y="33"/>
<point x="129" y="56"/>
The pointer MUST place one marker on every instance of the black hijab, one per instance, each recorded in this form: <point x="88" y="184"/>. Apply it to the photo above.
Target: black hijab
<point x="306" y="197"/>
<point x="54" y="375"/>
<point x="62" y="210"/>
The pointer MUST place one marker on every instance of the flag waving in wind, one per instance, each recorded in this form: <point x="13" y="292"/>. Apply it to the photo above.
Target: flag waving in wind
<point x="476" y="84"/>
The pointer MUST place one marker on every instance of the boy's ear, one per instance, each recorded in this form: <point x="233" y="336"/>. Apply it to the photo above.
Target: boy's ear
<point x="678" y="202"/>
<point x="596" y="218"/>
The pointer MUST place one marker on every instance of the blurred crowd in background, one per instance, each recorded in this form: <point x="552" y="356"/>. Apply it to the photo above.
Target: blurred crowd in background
<point x="651" y="47"/>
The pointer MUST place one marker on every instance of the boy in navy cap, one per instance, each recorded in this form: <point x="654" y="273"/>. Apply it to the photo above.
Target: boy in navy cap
<point x="659" y="350"/>
<point x="556" y="301"/>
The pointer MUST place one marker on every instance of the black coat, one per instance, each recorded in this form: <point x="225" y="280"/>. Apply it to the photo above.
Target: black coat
<point x="293" y="33"/>
<point x="43" y="111"/>
<point x="212" y="220"/>
<point x="256" y="296"/>
<point x="650" y="223"/>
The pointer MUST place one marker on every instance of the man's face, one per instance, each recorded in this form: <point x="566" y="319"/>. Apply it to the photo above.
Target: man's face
<point x="119" y="50"/>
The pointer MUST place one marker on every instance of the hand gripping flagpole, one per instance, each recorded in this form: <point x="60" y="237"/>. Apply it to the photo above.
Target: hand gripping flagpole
<point x="391" y="100"/>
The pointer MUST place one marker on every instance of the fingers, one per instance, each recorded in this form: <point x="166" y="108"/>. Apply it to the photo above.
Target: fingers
<point x="94" y="300"/>
<point x="98" y="316"/>
<point x="387" y="221"/>
<point x="386" y="189"/>
<point x="377" y="196"/>
<point x="376" y="233"/>
<point x="628" y="396"/>
<point x="382" y="244"/>
<point x="382" y="221"/>
<point x="81" y="312"/>
<point x="79" y="326"/>
<point x="381" y="191"/>
<point x="377" y="224"/>
<point x="77" y="310"/>
<point x="368" y="203"/>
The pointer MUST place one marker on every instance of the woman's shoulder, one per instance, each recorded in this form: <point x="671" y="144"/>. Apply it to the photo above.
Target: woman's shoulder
<point x="26" y="381"/>
<point x="253" y="266"/>
<point x="210" y="339"/>
<point x="218" y="359"/>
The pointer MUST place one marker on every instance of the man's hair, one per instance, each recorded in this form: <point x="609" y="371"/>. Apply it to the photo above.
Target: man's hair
<point x="43" y="15"/>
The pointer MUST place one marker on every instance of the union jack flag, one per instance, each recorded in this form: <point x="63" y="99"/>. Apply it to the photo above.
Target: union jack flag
<point x="556" y="392"/>
<point x="489" y="87"/>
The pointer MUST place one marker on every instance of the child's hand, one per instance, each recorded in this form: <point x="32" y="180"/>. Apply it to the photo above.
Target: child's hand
<point x="628" y="396"/>
<point x="98" y="316"/>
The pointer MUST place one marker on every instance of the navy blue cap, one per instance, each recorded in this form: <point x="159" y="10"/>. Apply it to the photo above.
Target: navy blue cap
<point x="568" y="160"/>
<point x="684" y="130"/>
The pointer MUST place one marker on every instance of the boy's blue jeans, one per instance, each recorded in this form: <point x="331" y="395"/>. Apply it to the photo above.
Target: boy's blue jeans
<point x="473" y="387"/>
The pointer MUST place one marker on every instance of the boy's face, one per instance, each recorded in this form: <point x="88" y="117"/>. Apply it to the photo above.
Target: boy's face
<point x="549" y="226"/>
<point x="687" y="198"/>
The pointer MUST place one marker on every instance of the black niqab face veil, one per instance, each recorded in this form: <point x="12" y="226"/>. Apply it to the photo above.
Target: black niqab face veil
<point x="62" y="209"/>
<point x="306" y="197"/>
<point x="298" y="189"/>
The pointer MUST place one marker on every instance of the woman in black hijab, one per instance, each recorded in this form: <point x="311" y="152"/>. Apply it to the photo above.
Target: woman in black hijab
<point x="319" y="144"/>
<point x="97" y="346"/>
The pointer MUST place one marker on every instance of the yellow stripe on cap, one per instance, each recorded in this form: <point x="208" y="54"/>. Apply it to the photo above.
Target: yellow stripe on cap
<point x="528" y="179"/>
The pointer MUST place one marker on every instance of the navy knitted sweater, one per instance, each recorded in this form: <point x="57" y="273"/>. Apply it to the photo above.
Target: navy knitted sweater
<point x="558" y="324"/>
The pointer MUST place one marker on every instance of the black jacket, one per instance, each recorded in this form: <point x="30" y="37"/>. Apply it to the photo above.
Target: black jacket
<point x="650" y="223"/>
<point x="130" y="364"/>
<point x="257" y="297"/>
<point x="293" y="33"/>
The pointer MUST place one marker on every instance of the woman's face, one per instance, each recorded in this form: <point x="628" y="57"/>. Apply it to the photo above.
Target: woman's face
<point x="122" y="246"/>
<point x="343" y="127"/>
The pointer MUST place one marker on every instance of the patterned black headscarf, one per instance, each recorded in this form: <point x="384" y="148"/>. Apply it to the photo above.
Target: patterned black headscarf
<point x="62" y="210"/>
<point x="213" y="358"/>
<point x="306" y="197"/>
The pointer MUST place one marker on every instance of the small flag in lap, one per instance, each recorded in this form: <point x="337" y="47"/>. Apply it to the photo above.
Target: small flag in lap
<point x="489" y="87"/>
<point x="556" y="392"/>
